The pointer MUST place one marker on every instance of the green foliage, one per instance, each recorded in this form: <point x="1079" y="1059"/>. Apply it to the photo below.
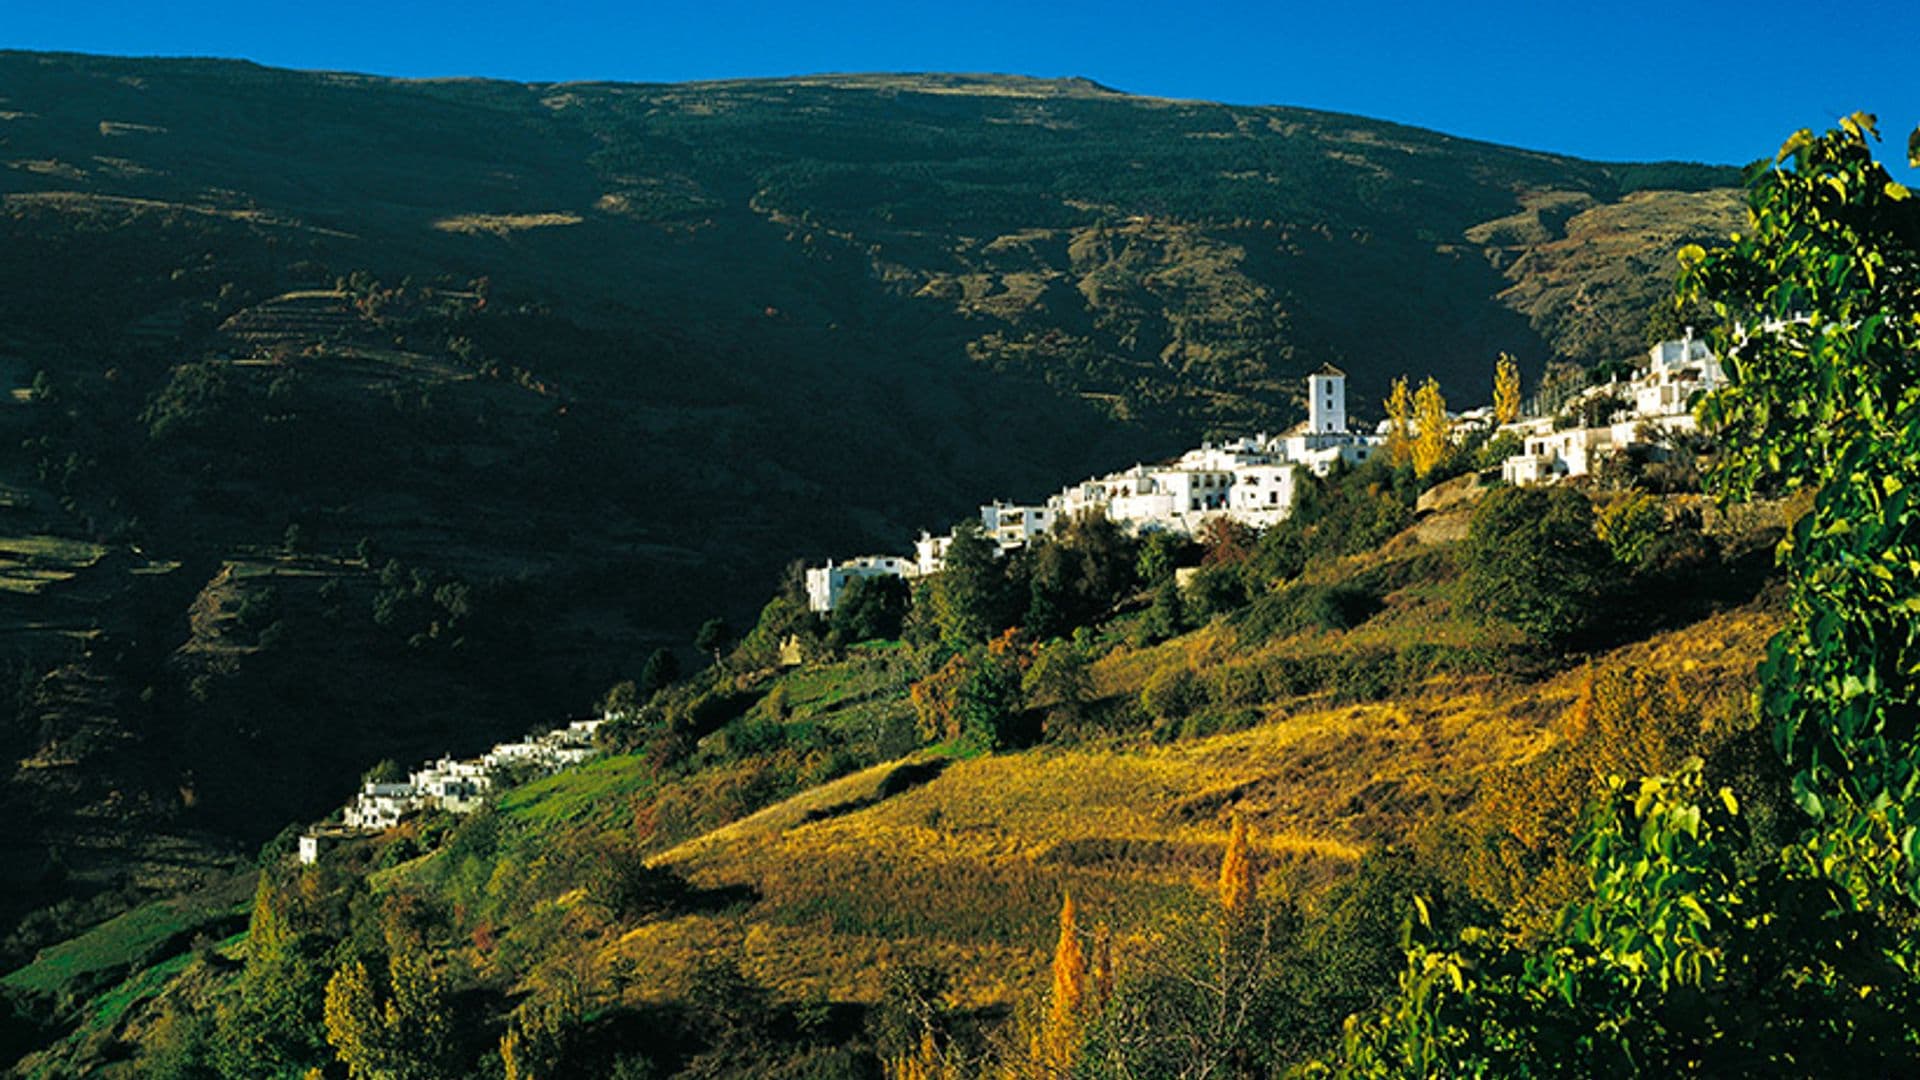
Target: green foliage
<point x="1078" y="574"/>
<point x="1173" y="693"/>
<point x="970" y="598"/>
<point x="869" y="608"/>
<point x="662" y="670"/>
<point x="384" y="771"/>
<point x="1346" y="513"/>
<point x="1531" y="559"/>
<point x="713" y="636"/>
<point x="1214" y="589"/>
<point x="1824" y="394"/>
<point x="1160" y="554"/>
<point x="1674" y="962"/>
<point x="1689" y="951"/>
<point x="1306" y="607"/>
<point x="1629" y="528"/>
<point x="1165" y="617"/>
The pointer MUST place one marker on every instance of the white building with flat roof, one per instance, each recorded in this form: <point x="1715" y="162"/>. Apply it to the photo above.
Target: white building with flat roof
<point x="826" y="583"/>
<point x="1659" y="397"/>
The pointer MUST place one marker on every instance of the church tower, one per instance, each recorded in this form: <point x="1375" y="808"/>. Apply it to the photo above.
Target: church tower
<point x="1327" y="401"/>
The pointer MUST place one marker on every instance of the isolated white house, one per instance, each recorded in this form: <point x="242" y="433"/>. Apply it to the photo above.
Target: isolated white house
<point x="826" y="583"/>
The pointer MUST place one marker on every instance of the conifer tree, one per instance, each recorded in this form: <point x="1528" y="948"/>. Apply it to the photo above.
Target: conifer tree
<point x="1506" y="390"/>
<point x="1430" y="417"/>
<point x="1237" y="882"/>
<point x="1399" y="423"/>
<point x="1059" y="1041"/>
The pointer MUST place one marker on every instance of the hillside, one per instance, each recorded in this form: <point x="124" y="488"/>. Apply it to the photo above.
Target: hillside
<point x="740" y="885"/>
<point x="365" y="417"/>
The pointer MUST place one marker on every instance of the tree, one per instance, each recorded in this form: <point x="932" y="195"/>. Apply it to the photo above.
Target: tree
<point x="1237" y="883"/>
<point x="661" y="670"/>
<point x="1434" y="436"/>
<point x="1058" y="675"/>
<point x="406" y="1036"/>
<point x="1399" y="423"/>
<point x="869" y="608"/>
<point x="714" y="636"/>
<point x="354" y="1027"/>
<point x="972" y="698"/>
<point x="1690" y="951"/>
<point x="970" y="593"/>
<point x="1506" y="390"/>
<point x="1058" y="1043"/>
<point x="1166" y="617"/>
<point x="1159" y="555"/>
<point x="1531" y="559"/>
<point x="1821" y="348"/>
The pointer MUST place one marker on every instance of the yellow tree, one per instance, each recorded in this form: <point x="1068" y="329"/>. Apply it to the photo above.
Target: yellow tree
<point x="1237" y="883"/>
<point x="1506" y="390"/>
<point x="1434" y="429"/>
<point x="354" y="1028"/>
<point x="1399" y="417"/>
<point x="417" y="1014"/>
<point x="1059" y="1041"/>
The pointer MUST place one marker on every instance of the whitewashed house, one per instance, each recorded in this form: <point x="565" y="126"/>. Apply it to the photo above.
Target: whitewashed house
<point x="1660" y="396"/>
<point x="826" y="583"/>
<point x="1250" y="479"/>
<point x="1013" y="525"/>
<point x="383" y="805"/>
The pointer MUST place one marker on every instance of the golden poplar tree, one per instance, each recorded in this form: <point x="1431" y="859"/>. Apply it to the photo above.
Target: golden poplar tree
<point x="1059" y="1041"/>
<point x="1506" y="390"/>
<point x="354" y="1027"/>
<point x="1434" y="430"/>
<point x="1399" y="426"/>
<point x="1237" y="883"/>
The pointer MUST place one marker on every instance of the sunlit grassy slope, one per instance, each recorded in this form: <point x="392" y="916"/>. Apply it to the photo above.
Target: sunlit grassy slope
<point x="962" y="862"/>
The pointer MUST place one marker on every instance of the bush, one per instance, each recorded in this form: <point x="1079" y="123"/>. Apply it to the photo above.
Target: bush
<point x="1215" y="590"/>
<point x="1307" y="607"/>
<point x="1532" y="560"/>
<point x="1173" y="693"/>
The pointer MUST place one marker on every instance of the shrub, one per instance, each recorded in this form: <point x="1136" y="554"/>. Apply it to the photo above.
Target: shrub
<point x="1172" y="693"/>
<point x="1215" y="589"/>
<point x="1307" y="607"/>
<point x="1531" y="559"/>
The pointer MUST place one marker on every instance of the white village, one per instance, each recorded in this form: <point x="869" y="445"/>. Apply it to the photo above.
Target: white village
<point x="1251" y="480"/>
<point x="452" y="786"/>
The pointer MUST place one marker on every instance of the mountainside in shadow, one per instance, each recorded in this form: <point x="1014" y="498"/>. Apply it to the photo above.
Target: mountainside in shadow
<point x="362" y="417"/>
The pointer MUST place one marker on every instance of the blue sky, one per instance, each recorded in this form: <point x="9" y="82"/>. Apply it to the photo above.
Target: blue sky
<point x="1712" y="81"/>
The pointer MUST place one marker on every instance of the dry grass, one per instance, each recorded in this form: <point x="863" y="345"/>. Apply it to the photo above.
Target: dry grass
<point x="966" y="869"/>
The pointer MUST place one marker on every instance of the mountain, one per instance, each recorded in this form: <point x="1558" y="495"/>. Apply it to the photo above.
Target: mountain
<point x="363" y="417"/>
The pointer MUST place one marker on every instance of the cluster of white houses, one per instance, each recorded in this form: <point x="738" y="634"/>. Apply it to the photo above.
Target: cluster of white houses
<point x="453" y="786"/>
<point x="1251" y="480"/>
<point x="1659" y="398"/>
